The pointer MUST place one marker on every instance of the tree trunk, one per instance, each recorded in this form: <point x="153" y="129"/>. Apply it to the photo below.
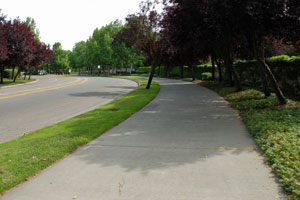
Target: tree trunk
<point x="29" y="75"/>
<point x="151" y="77"/>
<point x="229" y="56"/>
<point x="264" y="80"/>
<point x="167" y="70"/>
<point x="256" y="48"/>
<point x="25" y="74"/>
<point x="213" y="68"/>
<point x="159" y="70"/>
<point x="2" y="74"/>
<point x="266" y="69"/>
<point x="13" y="73"/>
<point x="274" y="82"/>
<point x="181" y="71"/>
<point x="219" y="69"/>
<point x="228" y="74"/>
<point x="193" y="72"/>
<point x="18" y="73"/>
<point x="232" y="70"/>
<point x="79" y="71"/>
<point x="236" y="79"/>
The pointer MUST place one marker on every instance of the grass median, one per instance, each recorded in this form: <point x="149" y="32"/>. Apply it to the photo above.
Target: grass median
<point x="276" y="129"/>
<point x="26" y="156"/>
<point x="8" y="82"/>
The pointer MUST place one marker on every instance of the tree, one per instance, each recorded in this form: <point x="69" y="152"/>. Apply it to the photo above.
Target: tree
<point x="266" y="18"/>
<point x="21" y="43"/>
<point x="60" y="62"/>
<point x="3" y="46"/>
<point x="36" y="32"/>
<point x="78" y="57"/>
<point x="222" y="26"/>
<point x="209" y="25"/>
<point x="141" y="33"/>
<point x="18" y="46"/>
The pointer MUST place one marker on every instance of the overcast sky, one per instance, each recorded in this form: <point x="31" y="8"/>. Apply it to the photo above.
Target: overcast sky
<point x="69" y="21"/>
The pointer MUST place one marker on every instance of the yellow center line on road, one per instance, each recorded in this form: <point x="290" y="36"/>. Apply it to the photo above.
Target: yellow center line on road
<point x="40" y="88"/>
<point x="77" y="82"/>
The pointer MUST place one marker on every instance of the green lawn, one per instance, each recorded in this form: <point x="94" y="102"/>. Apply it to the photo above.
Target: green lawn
<point x="23" y="157"/>
<point x="276" y="129"/>
<point x="7" y="82"/>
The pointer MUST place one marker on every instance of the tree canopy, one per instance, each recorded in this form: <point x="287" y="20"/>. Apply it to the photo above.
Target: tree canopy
<point x="105" y="49"/>
<point x="19" y="47"/>
<point x="223" y="30"/>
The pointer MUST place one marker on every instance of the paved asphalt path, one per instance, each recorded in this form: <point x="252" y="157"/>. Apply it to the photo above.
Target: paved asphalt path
<point x="186" y="144"/>
<point x="52" y="99"/>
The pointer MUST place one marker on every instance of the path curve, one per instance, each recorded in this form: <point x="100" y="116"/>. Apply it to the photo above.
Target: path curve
<point x="186" y="144"/>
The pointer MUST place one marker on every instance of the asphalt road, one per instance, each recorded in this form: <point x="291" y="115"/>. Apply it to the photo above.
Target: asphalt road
<point x="53" y="99"/>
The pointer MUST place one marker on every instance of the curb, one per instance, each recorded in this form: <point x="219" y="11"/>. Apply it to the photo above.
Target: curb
<point x="10" y="86"/>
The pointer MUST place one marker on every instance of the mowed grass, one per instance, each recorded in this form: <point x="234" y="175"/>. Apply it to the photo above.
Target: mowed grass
<point x="276" y="129"/>
<point x="26" y="156"/>
<point x="8" y="82"/>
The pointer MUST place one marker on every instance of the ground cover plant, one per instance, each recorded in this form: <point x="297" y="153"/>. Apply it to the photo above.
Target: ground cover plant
<point x="275" y="127"/>
<point x="26" y="156"/>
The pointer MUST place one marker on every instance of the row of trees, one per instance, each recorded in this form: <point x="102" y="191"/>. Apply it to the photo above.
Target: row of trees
<point x="102" y="48"/>
<point x="189" y="32"/>
<point x="20" y="46"/>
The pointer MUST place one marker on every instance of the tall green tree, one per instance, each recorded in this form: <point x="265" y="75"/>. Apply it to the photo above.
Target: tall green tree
<point x="60" y="62"/>
<point x="32" y="24"/>
<point x="78" y="57"/>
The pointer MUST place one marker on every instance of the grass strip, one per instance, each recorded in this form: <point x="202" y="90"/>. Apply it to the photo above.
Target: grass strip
<point x="28" y="155"/>
<point x="8" y="82"/>
<point x="276" y="129"/>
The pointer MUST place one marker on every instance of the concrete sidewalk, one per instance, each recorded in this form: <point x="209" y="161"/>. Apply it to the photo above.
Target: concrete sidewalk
<point x="186" y="144"/>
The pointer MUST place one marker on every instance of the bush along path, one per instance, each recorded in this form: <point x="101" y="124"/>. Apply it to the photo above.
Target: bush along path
<point x="28" y="155"/>
<point x="276" y="129"/>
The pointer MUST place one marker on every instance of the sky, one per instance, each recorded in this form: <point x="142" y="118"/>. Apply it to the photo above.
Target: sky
<point x="69" y="21"/>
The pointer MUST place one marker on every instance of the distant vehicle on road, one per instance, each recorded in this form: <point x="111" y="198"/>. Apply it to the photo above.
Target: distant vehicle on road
<point x="43" y="72"/>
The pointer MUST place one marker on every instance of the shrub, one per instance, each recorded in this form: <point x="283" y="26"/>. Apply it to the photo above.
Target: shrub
<point x="206" y="75"/>
<point x="245" y="95"/>
<point x="143" y="70"/>
<point x="276" y="130"/>
<point x="285" y="69"/>
<point x="255" y="103"/>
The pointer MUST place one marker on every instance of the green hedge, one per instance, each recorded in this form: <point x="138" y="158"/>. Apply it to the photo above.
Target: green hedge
<point x="201" y="71"/>
<point x="286" y="70"/>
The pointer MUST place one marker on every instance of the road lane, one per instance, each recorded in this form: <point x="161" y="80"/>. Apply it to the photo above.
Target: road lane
<point x="53" y="99"/>
<point x="8" y="95"/>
